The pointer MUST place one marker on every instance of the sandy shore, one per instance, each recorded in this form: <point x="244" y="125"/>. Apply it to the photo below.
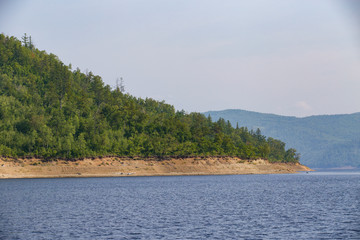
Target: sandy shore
<point x="110" y="167"/>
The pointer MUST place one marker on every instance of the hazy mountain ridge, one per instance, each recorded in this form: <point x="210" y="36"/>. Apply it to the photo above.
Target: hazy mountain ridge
<point x="322" y="140"/>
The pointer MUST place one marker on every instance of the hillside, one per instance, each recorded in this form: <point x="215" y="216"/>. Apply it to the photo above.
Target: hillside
<point x="50" y="111"/>
<point x="324" y="141"/>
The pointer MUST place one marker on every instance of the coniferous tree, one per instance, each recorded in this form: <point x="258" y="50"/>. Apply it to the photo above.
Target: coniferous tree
<point x="25" y="40"/>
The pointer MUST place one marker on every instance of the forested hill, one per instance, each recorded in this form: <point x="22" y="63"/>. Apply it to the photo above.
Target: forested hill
<point x="49" y="110"/>
<point x="324" y="141"/>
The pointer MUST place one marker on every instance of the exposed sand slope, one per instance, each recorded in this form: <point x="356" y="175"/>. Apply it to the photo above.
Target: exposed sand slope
<point x="106" y="167"/>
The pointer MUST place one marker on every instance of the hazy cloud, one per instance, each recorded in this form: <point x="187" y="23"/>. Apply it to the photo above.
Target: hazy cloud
<point x="304" y="106"/>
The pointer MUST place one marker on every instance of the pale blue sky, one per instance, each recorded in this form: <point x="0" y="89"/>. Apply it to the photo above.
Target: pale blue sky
<point x="293" y="57"/>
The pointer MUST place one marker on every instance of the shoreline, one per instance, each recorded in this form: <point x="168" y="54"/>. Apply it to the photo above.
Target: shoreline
<point x="125" y="167"/>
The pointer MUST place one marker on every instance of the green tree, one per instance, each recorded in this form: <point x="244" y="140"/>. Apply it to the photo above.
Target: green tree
<point x="49" y="110"/>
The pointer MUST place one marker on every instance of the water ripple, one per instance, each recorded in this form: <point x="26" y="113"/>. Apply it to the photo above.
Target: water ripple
<point x="304" y="206"/>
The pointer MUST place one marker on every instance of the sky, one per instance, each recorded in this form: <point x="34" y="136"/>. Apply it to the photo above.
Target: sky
<point x="293" y="57"/>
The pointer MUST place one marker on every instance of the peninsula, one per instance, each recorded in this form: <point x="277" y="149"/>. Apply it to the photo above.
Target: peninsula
<point x="51" y="116"/>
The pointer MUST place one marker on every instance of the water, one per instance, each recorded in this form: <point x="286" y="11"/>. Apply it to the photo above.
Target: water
<point x="301" y="206"/>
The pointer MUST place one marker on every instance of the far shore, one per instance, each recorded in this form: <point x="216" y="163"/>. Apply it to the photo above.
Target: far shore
<point x="121" y="167"/>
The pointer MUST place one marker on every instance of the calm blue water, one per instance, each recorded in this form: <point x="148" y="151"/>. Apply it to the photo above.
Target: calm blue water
<point x="301" y="206"/>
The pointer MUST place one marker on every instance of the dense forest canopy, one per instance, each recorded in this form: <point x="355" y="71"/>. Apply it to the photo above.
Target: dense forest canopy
<point x="49" y="110"/>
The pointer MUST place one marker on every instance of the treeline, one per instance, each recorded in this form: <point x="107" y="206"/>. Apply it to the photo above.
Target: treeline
<point x="49" y="110"/>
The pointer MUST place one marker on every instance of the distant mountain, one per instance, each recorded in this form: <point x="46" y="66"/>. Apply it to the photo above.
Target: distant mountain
<point x="324" y="141"/>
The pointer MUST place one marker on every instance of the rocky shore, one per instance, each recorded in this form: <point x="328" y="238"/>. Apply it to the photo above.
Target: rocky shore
<point x="116" y="167"/>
